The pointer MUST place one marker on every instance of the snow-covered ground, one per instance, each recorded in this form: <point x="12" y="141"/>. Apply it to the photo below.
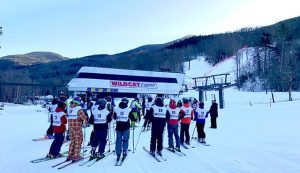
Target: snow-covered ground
<point x="256" y="138"/>
<point x="253" y="136"/>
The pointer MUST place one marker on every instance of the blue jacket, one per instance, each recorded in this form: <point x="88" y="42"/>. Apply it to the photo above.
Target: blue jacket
<point x="200" y="115"/>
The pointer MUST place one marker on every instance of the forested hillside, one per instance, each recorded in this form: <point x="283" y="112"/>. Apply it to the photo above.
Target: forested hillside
<point x="278" y="42"/>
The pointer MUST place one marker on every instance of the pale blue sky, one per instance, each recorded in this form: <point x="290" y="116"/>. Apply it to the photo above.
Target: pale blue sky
<point x="76" y="28"/>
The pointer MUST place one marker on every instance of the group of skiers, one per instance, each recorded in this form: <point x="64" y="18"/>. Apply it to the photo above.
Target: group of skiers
<point x="74" y="116"/>
<point x="103" y="112"/>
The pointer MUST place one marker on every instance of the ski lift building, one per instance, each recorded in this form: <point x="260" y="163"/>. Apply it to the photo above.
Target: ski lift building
<point x="121" y="82"/>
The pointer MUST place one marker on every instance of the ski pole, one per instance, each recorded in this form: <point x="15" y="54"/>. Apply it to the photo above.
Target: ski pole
<point x="133" y="138"/>
<point x="138" y="138"/>
<point x="114" y="131"/>
<point x="109" y="138"/>
<point x="194" y="131"/>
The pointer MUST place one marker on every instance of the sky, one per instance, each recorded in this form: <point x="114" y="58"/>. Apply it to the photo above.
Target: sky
<point x="76" y="28"/>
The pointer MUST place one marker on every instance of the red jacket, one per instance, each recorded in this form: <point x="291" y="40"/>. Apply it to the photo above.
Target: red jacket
<point x="173" y="121"/>
<point x="63" y="119"/>
<point x="184" y="119"/>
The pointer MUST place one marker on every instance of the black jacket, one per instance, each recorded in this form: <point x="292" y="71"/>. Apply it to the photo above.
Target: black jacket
<point x="157" y="121"/>
<point x="213" y="111"/>
<point x="101" y="126"/>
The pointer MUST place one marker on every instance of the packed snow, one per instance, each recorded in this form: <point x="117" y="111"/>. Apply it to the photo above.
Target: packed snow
<point x="254" y="135"/>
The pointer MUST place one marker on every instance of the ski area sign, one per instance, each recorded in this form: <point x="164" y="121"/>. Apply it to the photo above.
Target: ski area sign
<point x="108" y="80"/>
<point x="131" y="84"/>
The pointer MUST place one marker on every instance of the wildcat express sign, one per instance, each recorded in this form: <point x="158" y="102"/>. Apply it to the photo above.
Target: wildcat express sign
<point x="131" y="84"/>
<point x="107" y="80"/>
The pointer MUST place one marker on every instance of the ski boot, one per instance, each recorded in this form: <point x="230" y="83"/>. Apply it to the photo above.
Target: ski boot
<point x="177" y="149"/>
<point x="159" y="153"/>
<point x="152" y="153"/>
<point x="50" y="156"/>
<point x="100" y="155"/>
<point x="118" y="157"/>
<point x="93" y="153"/>
<point x="124" y="154"/>
<point x="171" y="149"/>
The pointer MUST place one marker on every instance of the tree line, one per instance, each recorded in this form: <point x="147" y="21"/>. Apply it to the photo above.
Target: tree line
<point x="275" y="62"/>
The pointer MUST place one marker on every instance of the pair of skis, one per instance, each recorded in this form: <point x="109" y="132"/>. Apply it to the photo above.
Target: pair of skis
<point x="179" y="153"/>
<point x="155" y="156"/>
<point x="187" y="146"/>
<point x="69" y="162"/>
<point x="45" y="138"/>
<point x="64" y="154"/>
<point x="120" y="161"/>
<point x="43" y="159"/>
<point x="94" y="160"/>
<point x="203" y="143"/>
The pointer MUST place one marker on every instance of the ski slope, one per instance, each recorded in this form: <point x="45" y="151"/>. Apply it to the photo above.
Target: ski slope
<point x="253" y="136"/>
<point x="256" y="138"/>
<point x="199" y="68"/>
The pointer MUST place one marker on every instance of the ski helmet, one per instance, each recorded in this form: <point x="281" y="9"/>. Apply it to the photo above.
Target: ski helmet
<point x="125" y="100"/>
<point x="102" y="104"/>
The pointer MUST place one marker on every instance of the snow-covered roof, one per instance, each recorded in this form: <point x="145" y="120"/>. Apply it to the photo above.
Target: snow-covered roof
<point x="94" y="79"/>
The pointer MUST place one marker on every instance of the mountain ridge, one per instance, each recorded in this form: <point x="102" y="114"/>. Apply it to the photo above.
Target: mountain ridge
<point x="33" y="58"/>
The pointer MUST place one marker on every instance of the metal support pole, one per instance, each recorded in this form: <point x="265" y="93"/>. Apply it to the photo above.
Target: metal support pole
<point x="221" y="97"/>
<point x="201" y="95"/>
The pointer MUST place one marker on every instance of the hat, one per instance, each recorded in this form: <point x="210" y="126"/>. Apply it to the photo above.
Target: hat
<point x="185" y="100"/>
<point x="172" y="101"/>
<point x="159" y="101"/>
<point x="76" y="100"/>
<point x="150" y="99"/>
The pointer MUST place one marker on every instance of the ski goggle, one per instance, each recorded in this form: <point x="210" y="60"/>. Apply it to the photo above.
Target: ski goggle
<point x="74" y="102"/>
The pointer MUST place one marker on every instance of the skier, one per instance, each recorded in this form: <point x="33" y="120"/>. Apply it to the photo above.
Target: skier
<point x="59" y="126"/>
<point x="179" y="103"/>
<point x="85" y="106"/>
<point x="51" y="110"/>
<point x="122" y="115"/>
<point x="186" y="114"/>
<point x="136" y="109"/>
<point x="213" y="111"/>
<point x="172" y="118"/>
<point x="158" y="118"/>
<point x="195" y="104"/>
<point x="92" y="106"/>
<point x="143" y="105"/>
<point x="109" y="104"/>
<point x="100" y="118"/>
<point x="147" y="121"/>
<point x="200" y="115"/>
<point x="76" y="118"/>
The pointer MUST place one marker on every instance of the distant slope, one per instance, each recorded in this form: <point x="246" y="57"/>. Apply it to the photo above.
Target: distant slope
<point x="34" y="58"/>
